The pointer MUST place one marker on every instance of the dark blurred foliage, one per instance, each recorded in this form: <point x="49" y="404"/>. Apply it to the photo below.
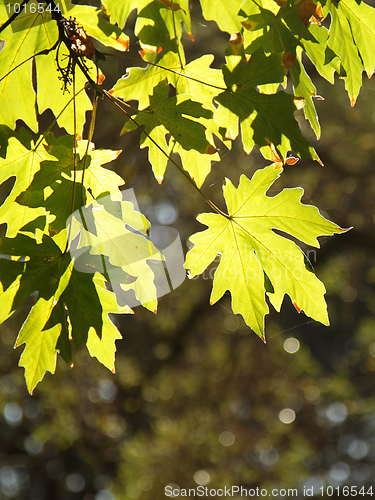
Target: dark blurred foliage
<point x="197" y="398"/>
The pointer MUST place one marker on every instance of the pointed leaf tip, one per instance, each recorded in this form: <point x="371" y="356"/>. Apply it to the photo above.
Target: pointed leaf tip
<point x="343" y="229"/>
<point x="298" y="309"/>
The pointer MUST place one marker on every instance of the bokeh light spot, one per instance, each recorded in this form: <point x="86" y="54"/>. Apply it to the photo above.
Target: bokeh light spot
<point x="231" y="323"/>
<point x="226" y="438"/>
<point x="348" y="293"/>
<point x="358" y="449"/>
<point x="104" y="495"/>
<point x="13" y="414"/>
<point x="33" y="445"/>
<point x="339" y="472"/>
<point x="75" y="482"/>
<point x="336" y="413"/>
<point x="291" y="345"/>
<point x="145" y="483"/>
<point x="107" y="390"/>
<point x="166" y="213"/>
<point x="202" y="477"/>
<point x="287" y="416"/>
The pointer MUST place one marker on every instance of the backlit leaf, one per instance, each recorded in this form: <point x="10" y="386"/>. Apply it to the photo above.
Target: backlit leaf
<point x="224" y="13"/>
<point x="139" y="83"/>
<point x="113" y="229"/>
<point x="266" y="120"/>
<point x="17" y="96"/>
<point x="342" y="43"/>
<point x="361" y="18"/>
<point x="253" y="254"/>
<point x="177" y="116"/>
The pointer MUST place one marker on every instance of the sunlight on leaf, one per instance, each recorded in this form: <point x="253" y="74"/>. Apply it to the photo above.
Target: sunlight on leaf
<point x="252" y="253"/>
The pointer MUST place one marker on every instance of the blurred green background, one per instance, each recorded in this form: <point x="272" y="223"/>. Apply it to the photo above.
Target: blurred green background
<point x="198" y="399"/>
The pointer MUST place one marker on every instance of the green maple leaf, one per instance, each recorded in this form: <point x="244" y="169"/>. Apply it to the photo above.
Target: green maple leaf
<point x="196" y="79"/>
<point x="41" y="271"/>
<point x="78" y="294"/>
<point x="104" y="348"/>
<point x="342" y="43"/>
<point x="352" y="38"/>
<point x="283" y="32"/>
<point x="17" y="96"/>
<point x="61" y="290"/>
<point x="254" y="259"/>
<point x="40" y="353"/>
<point x="118" y="11"/>
<point x="177" y="116"/>
<point x="316" y="48"/>
<point x="277" y="37"/>
<point x="52" y="188"/>
<point x="107" y="228"/>
<point x="266" y="120"/>
<point x="139" y="83"/>
<point x="197" y="164"/>
<point x="361" y="18"/>
<point x="95" y="25"/>
<point x="224" y="13"/>
<point x="46" y="271"/>
<point x="22" y="162"/>
<point x="303" y="87"/>
<point x="89" y="303"/>
<point x="36" y="35"/>
<point x="199" y="81"/>
<point x="155" y="25"/>
<point x="50" y="96"/>
<point x="159" y="25"/>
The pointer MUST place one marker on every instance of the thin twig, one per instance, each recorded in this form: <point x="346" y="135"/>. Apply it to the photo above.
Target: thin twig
<point x="210" y="203"/>
<point x="13" y="16"/>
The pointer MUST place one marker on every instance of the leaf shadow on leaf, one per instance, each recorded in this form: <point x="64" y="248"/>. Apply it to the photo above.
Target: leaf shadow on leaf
<point x="174" y="116"/>
<point x="266" y="119"/>
<point x="83" y="305"/>
<point x="5" y="133"/>
<point x="155" y="33"/>
<point x="58" y="203"/>
<point x="6" y="188"/>
<point x="57" y="176"/>
<point x="63" y="345"/>
<point x="41" y="272"/>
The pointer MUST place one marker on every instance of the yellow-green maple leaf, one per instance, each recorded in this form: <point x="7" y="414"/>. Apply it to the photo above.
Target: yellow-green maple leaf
<point x="256" y="260"/>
